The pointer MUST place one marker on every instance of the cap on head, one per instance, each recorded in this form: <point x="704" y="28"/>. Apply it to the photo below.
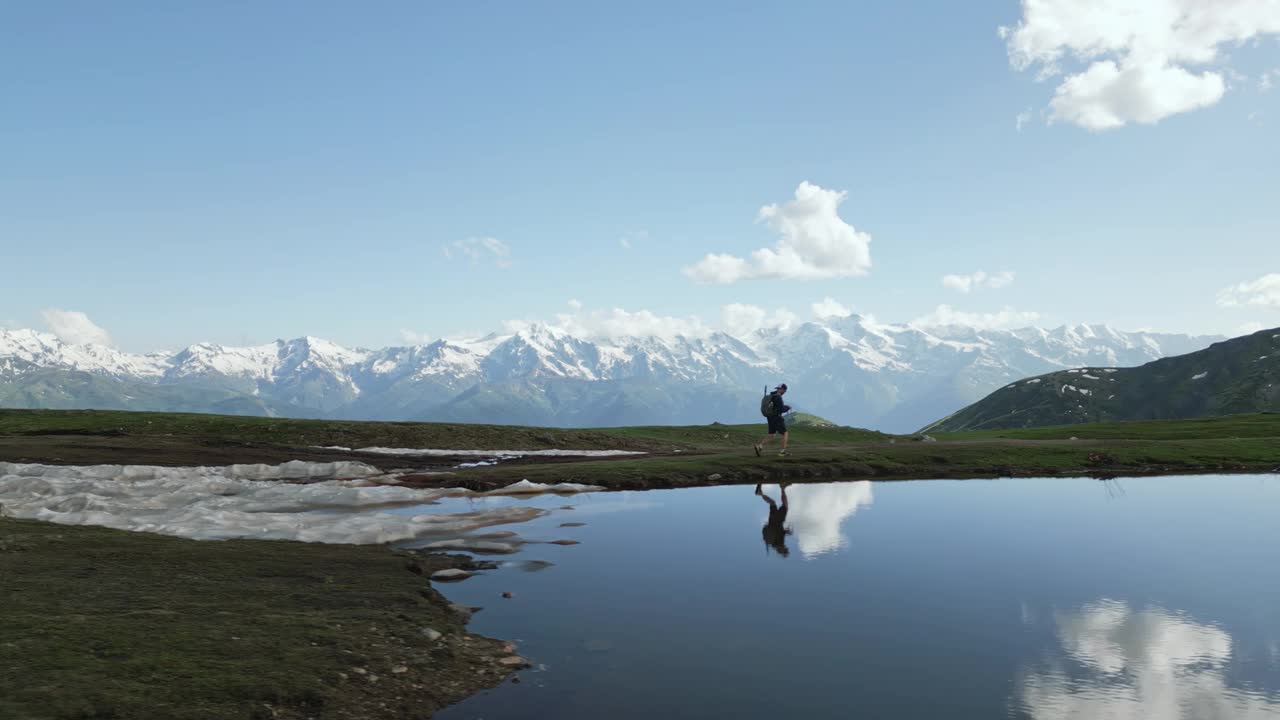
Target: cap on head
<point x="782" y="387"/>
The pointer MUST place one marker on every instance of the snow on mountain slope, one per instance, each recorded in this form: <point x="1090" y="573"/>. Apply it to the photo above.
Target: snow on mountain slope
<point x="850" y="369"/>
<point x="46" y="350"/>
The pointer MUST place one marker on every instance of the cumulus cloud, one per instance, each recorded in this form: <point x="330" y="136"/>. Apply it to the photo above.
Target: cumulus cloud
<point x="75" y="327"/>
<point x="830" y="308"/>
<point x="980" y="279"/>
<point x="816" y="243"/>
<point x="410" y="337"/>
<point x="478" y="249"/>
<point x="1021" y="119"/>
<point x="1131" y="58"/>
<point x="1109" y="96"/>
<point x="1007" y="318"/>
<point x="1248" y="328"/>
<point x="619" y="323"/>
<point x="1265" y="291"/>
<point x="739" y="319"/>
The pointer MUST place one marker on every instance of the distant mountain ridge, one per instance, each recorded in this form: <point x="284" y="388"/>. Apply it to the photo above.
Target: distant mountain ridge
<point x="1241" y="375"/>
<point x="849" y="369"/>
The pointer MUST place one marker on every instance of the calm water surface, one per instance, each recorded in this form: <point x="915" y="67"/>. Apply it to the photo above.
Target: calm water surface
<point x="1054" y="598"/>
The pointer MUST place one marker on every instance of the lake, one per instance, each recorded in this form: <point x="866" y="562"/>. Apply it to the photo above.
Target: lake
<point x="1026" y="598"/>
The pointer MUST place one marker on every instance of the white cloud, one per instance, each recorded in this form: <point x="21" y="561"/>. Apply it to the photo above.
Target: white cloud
<point x="1107" y="96"/>
<point x="1267" y="80"/>
<point x="1135" y="54"/>
<point x="979" y="279"/>
<point x="815" y="244"/>
<point x="719" y="268"/>
<point x="629" y="240"/>
<point x="575" y="305"/>
<point x="1022" y="119"/>
<point x="739" y="319"/>
<point x="411" y="337"/>
<point x="75" y="327"/>
<point x="1265" y="291"/>
<point x="619" y="323"/>
<point x="1007" y="318"/>
<point x="478" y="249"/>
<point x="829" y="308"/>
<point x="1248" y="328"/>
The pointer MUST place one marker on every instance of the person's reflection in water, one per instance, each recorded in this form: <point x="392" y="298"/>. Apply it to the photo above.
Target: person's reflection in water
<point x="774" y="531"/>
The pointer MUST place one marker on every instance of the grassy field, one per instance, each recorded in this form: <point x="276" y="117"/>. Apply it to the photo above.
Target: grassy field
<point x="102" y="623"/>
<point x="676" y="456"/>
<point x="1259" y="425"/>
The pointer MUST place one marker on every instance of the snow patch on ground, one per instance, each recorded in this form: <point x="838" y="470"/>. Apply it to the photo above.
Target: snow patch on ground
<point x="1200" y="376"/>
<point x="1033" y="381"/>
<point x="342" y="502"/>
<point x="524" y="487"/>
<point x="437" y="452"/>
<point x="1091" y="377"/>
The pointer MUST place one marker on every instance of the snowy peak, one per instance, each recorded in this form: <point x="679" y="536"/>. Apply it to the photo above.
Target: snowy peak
<point x="857" y="371"/>
<point x="46" y="350"/>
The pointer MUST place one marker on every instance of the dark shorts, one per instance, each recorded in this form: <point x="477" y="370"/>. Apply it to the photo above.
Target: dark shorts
<point x="777" y="425"/>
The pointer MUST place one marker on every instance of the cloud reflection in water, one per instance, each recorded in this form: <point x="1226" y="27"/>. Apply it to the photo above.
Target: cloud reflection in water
<point x="817" y="511"/>
<point x="1151" y="663"/>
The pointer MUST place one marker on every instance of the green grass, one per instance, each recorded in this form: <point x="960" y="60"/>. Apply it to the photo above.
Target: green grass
<point x="693" y="455"/>
<point x="1258" y="425"/>
<point x="301" y="433"/>
<point x="102" y="623"/>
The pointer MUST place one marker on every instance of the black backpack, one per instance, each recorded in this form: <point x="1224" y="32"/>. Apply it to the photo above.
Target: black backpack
<point x="766" y="404"/>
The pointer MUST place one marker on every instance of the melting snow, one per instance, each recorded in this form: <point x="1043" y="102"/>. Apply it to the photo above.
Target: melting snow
<point x="1091" y="377"/>
<point x="345" y="503"/>
<point x="1200" y="376"/>
<point x="524" y="487"/>
<point x="1033" y="381"/>
<point x="435" y="452"/>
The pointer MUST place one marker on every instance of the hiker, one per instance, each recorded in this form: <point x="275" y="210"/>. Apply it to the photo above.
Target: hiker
<point x="774" y="531"/>
<point x="772" y="407"/>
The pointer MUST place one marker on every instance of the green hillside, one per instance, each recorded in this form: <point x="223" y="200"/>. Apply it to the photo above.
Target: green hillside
<point x="1233" y="377"/>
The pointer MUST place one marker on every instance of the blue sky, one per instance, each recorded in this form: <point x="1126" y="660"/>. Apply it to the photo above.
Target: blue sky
<point x="238" y="172"/>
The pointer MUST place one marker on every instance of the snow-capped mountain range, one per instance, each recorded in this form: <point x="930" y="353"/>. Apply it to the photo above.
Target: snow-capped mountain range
<point x="849" y="369"/>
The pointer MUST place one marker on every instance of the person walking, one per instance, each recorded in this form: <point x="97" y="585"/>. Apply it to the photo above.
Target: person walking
<point x="773" y="409"/>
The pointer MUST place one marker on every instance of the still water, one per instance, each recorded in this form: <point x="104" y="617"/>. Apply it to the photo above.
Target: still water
<point x="1049" y="598"/>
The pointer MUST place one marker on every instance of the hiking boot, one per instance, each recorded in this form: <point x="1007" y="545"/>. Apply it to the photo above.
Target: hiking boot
<point x="783" y="453"/>
<point x="757" y="449"/>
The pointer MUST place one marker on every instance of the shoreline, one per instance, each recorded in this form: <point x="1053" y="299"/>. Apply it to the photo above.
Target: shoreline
<point x="113" y="623"/>
<point x="696" y="467"/>
<point x="101" y="621"/>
